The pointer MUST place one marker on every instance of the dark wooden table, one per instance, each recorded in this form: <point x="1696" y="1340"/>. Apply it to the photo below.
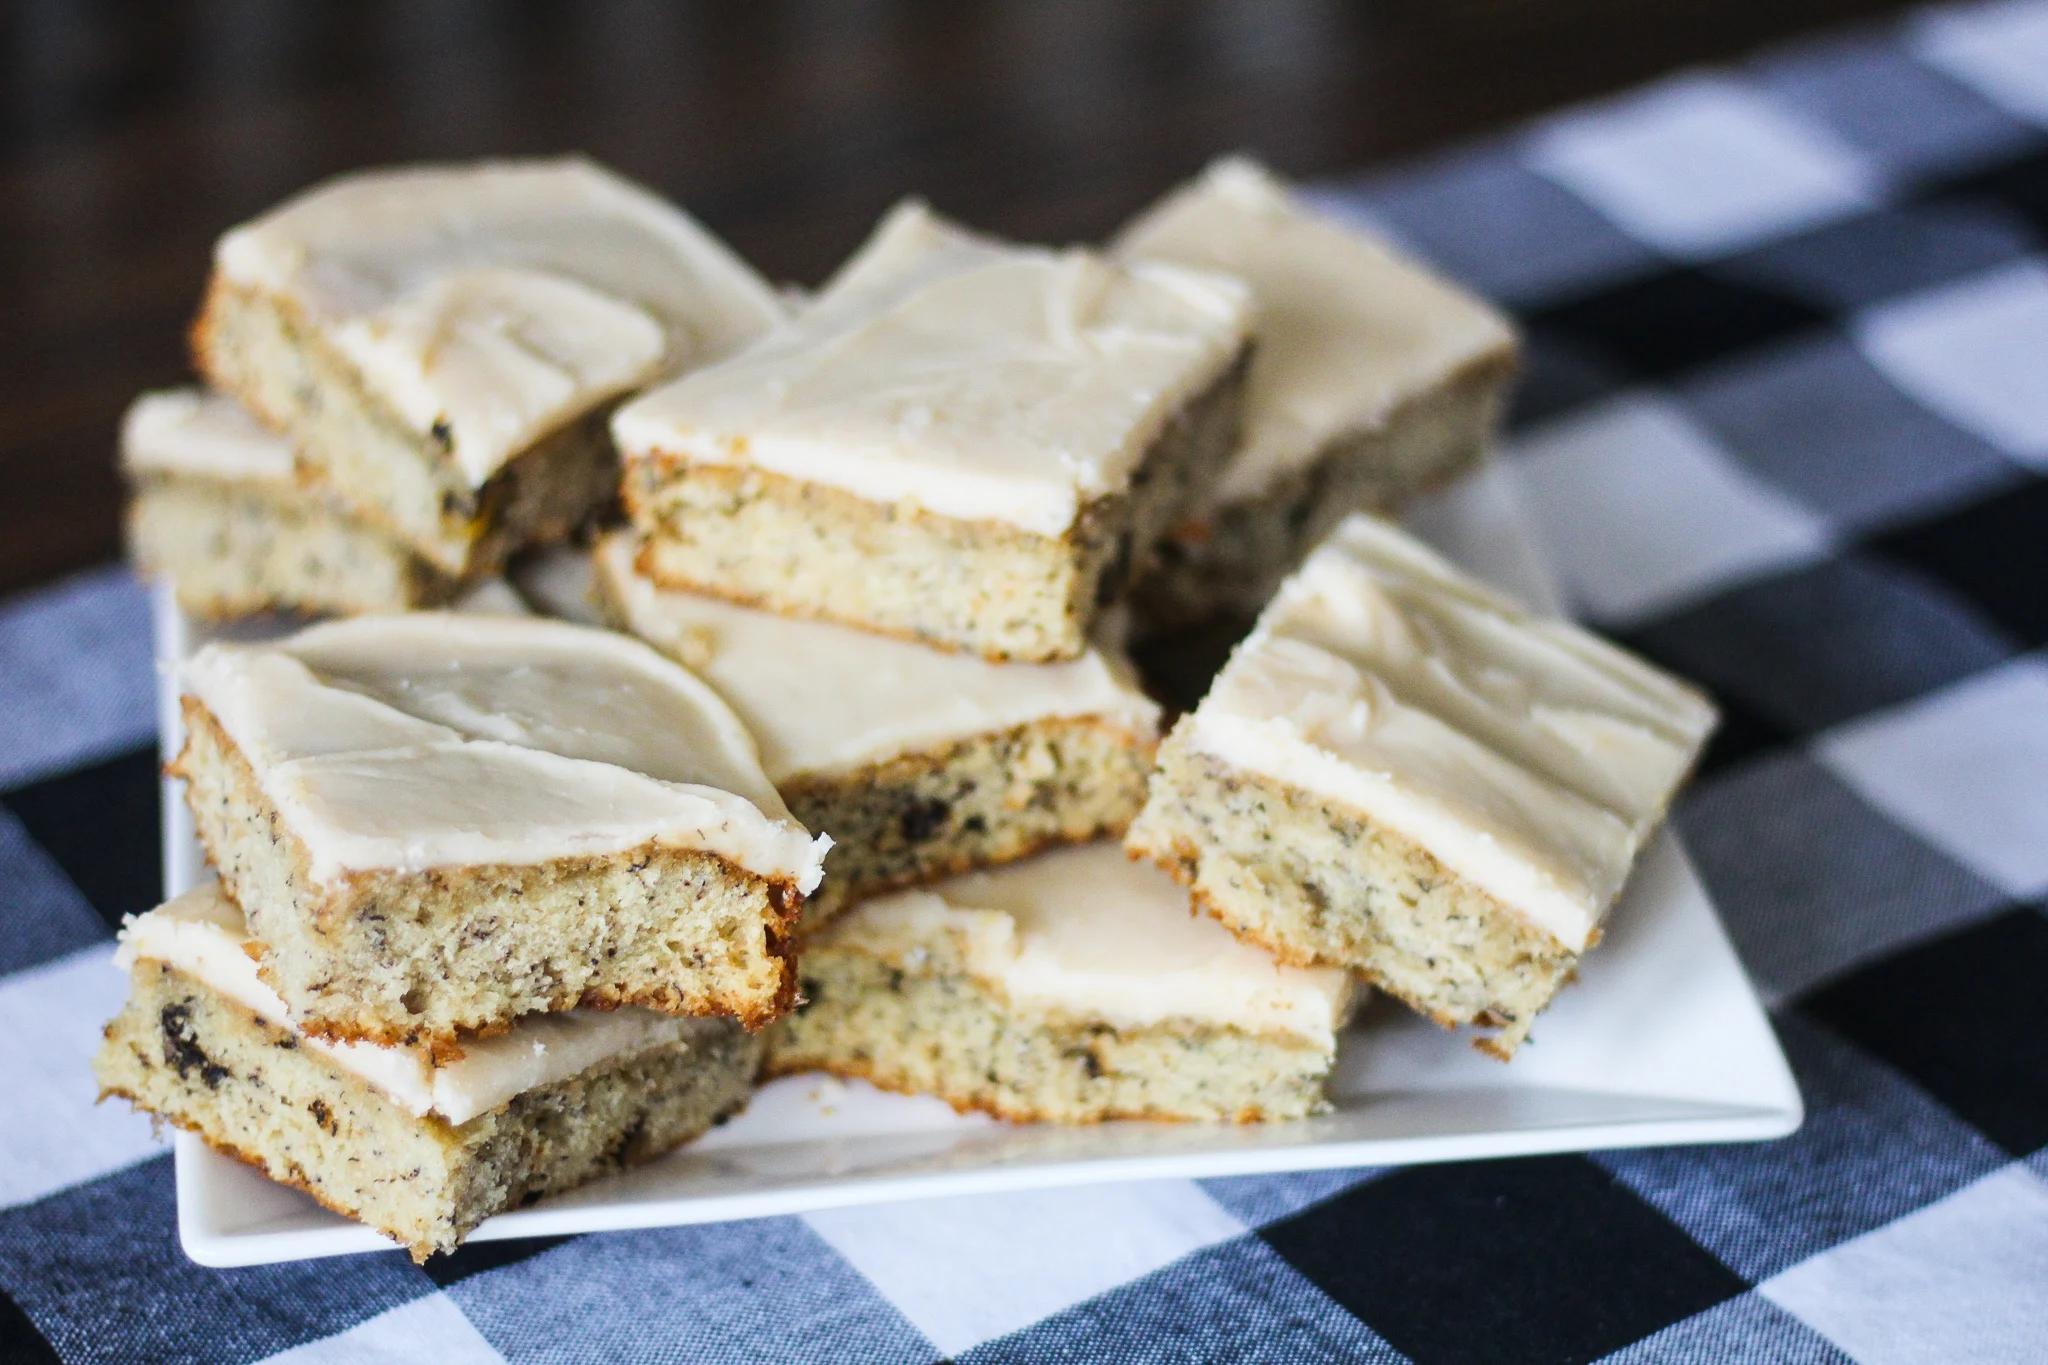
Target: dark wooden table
<point x="135" y="132"/>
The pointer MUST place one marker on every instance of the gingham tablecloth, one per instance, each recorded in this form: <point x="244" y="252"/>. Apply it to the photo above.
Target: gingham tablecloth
<point x="1786" y="431"/>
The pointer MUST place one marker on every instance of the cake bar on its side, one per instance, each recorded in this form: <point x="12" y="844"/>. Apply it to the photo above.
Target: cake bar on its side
<point x="1404" y="773"/>
<point x="1372" y="380"/>
<point x="216" y="508"/>
<point x="445" y="344"/>
<point x="442" y="822"/>
<point x="918" y="763"/>
<point x="253" y="1087"/>
<point x="960" y="442"/>
<point x="1071" y="988"/>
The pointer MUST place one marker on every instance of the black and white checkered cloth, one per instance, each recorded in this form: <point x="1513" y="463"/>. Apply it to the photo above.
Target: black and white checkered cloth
<point x="1787" y="432"/>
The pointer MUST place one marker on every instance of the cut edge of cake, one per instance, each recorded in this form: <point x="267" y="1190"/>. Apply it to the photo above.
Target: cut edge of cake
<point x="1314" y="883"/>
<point x="981" y="802"/>
<point x="929" y="1028"/>
<point x="1232" y="558"/>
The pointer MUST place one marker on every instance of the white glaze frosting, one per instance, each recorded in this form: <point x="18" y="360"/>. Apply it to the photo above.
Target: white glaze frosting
<point x="199" y="433"/>
<point x="822" y="698"/>
<point x="202" y="934"/>
<point x="958" y="374"/>
<point x="1347" y="328"/>
<point x="1087" y="934"/>
<point x="1524" y="753"/>
<point x="438" y="739"/>
<point x="500" y="299"/>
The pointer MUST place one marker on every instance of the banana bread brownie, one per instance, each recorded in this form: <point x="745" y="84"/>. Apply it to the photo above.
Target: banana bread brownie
<point x="959" y="441"/>
<point x="216" y="508"/>
<point x="1373" y="379"/>
<point x="918" y="763"/>
<point x="444" y="344"/>
<point x="419" y="1144"/>
<point x="439" y="822"/>
<point x="1404" y="773"/>
<point x="1071" y="987"/>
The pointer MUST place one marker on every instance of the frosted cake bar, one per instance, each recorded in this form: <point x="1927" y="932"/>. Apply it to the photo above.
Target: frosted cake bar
<point x="1372" y="379"/>
<point x="217" y="509"/>
<point x="445" y="343"/>
<point x="918" y="763"/>
<point x="1072" y="987"/>
<point x="1402" y="772"/>
<point x="419" y="1144"/>
<point x="441" y="822"/>
<point x="959" y="441"/>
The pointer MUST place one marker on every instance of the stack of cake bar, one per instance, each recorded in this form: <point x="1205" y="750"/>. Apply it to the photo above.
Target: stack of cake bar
<point x="506" y="902"/>
<point x="499" y="902"/>
<point x="410" y="374"/>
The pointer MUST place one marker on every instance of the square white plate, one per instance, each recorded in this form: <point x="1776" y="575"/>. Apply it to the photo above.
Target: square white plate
<point x="1660" y="1041"/>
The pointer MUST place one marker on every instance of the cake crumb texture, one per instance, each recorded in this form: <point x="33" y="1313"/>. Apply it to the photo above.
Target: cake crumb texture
<point x="232" y="550"/>
<point x="1313" y="882"/>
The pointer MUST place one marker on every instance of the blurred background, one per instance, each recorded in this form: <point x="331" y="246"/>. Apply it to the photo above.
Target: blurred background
<point x="136" y="132"/>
